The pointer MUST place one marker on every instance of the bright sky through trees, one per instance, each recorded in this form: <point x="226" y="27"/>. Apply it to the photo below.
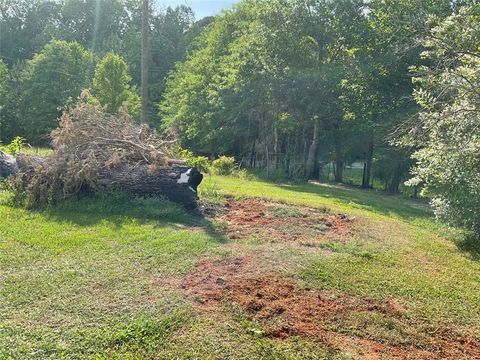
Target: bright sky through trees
<point x="201" y="8"/>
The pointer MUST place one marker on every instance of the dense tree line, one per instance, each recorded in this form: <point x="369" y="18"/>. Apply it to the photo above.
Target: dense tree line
<point x="294" y="84"/>
<point x="49" y="50"/>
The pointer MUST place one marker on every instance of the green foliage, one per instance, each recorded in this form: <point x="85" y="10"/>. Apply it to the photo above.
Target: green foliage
<point x="96" y="25"/>
<point x="201" y="163"/>
<point x="111" y="85"/>
<point x="26" y="26"/>
<point x="258" y="89"/>
<point x="15" y="145"/>
<point x="257" y="82"/>
<point x="168" y="45"/>
<point x="448" y="135"/>
<point x="224" y="165"/>
<point x="106" y="26"/>
<point x="391" y="167"/>
<point x="5" y="97"/>
<point x="51" y="80"/>
<point x="4" y="85"/>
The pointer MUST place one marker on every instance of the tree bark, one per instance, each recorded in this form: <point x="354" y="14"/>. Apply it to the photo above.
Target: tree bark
<point x="367" y="173"/>
<point x="8" y="165"/>
<point x="267" y="161"/>
<point x="338" y="161"/>
<point x="312" y="153"/>
<point x="338" y="170"/>
<point x="252" y="155"/>
<point x="275" y="146"/>
<point x="393" y="186"/>
<point x="144" y="69"/>
<point x="177" y="182"/>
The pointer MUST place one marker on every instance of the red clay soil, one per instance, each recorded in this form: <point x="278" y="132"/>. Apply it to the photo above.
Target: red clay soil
<point x="285" y="310"/>
<point x="277" y="222"/>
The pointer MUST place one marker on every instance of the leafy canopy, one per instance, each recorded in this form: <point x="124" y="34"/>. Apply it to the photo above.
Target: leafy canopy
<point x="53" y="78"/>
<point x="448" y="134"/>
<point x="111" y="85"/>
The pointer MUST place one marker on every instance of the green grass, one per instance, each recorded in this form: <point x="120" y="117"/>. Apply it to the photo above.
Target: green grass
<point x="92" y="278"/>
<point x="397" y="251"/>
<point x="38" y="151"/>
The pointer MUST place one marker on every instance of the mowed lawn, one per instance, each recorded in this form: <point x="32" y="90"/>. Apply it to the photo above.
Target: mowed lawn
<point x="101" y="278"/>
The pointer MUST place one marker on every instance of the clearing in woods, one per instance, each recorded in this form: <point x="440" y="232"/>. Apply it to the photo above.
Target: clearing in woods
<point x="266" y="271"/>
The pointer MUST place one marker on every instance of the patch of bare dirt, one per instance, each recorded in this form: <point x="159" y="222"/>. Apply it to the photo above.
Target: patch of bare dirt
<point x="284" y="309"/>
<point x="276" y="222"/>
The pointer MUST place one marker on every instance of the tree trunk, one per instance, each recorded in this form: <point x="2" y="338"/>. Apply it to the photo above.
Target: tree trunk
<point x="178" y="183"/>
<point x="8" y="165"/>
<point x="367" y="173"/>
<point x="338" y="161"/>
<point x="252" y="155"/>
<point x="275" y="146"/>
<point x="144" y="69"/>
<point x="338" y="170"/>
<point x="395" y="180"/>
<point x="312" y="153"/>
<point x="267" y="162"/>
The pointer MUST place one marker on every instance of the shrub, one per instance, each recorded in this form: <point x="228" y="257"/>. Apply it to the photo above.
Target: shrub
<point x="201" y="163"/>
<point x="15" y="146"/>
<point x="224" y="165"/>
<point x="111" y="85"/>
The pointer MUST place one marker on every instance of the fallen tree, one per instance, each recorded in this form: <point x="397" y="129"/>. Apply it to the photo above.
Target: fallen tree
<point x="94" y="150"/>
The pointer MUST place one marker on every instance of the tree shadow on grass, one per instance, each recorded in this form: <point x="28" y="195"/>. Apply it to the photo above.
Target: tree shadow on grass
<point x="386" y="204"/>
<point x="470" y="244"/>
<point x="118" y="209"/>
<point x="373" y="200"/>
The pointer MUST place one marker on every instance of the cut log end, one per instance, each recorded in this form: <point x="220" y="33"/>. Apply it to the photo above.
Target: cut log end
<point x="8" y="165"/>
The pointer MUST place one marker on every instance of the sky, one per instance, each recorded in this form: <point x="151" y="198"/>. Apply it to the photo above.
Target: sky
<point x="201" y="8"/>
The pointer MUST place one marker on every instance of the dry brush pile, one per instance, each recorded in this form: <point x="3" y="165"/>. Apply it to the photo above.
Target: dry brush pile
<point x="93" y="149"/>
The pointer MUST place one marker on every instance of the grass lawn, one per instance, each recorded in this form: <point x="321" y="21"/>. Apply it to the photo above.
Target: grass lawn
<point x="105" y="278"/>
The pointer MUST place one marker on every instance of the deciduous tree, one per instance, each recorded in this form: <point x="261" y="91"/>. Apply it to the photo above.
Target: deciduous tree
<point x="51" y="80"/>
<point x="112" y="85"/>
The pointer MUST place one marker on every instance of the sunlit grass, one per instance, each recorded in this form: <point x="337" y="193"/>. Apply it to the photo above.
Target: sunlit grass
<point x="92" y="278"/>
<point x="38" y="151"/>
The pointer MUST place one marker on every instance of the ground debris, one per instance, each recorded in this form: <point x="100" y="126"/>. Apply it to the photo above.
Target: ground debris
<point x="284" y="309"/>
<point x="275" y="222"/>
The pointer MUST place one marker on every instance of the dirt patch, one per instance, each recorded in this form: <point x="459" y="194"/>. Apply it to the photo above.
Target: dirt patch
<point x="276" y="222"/>
<point x="285" y="309"/>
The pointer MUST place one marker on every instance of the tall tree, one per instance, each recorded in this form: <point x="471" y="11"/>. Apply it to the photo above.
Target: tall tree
<point x="97" y="25"/>
<point x="268" y="88"/>
<point x="25" y="27"/>
<point x="447" y="132"/>
<point x="168" y="45"/>
<point x="145" y="60"/>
